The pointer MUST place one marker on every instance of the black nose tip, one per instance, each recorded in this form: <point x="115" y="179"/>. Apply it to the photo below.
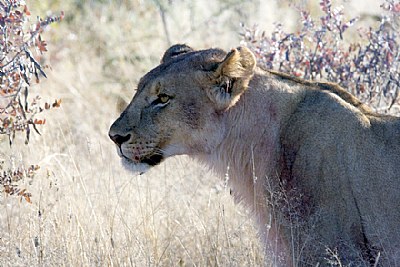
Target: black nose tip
<point x="119" y="139"/>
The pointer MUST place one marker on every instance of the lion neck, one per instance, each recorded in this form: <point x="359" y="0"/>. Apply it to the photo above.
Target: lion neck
<point x="249" y="152"/>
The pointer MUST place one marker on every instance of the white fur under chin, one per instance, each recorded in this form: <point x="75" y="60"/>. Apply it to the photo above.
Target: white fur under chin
<point x="136" y="168"/>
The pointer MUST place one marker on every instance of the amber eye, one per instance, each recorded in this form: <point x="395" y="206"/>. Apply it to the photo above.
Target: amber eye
<point x="163" y="98"/>
<point x="161" y="101"/>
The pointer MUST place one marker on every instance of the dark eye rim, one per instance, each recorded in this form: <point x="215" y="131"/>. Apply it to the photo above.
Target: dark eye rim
<point x="164" y="95"/>
<point x="158" y="100"/>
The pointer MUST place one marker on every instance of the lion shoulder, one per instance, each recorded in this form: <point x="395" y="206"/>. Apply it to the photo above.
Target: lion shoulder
<point x="328" y="87"/>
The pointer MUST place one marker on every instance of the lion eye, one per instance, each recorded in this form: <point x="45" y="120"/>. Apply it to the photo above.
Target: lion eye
<point x="163" y="98"/>
<point x="161" y="101"/>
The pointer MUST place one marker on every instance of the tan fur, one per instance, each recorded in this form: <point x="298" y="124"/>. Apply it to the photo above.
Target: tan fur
<point x="316" y="166"/>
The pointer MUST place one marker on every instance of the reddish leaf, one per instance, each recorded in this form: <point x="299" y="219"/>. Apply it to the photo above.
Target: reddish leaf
<point x="40" y="122"/>
<point x="41" y="45"/>
<point x="26" y="11"/>
<point x="27" y="198"/>
<point x="57" y="103"/>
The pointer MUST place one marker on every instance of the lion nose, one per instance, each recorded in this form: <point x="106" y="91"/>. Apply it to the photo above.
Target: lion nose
<point x="119" y="139"/>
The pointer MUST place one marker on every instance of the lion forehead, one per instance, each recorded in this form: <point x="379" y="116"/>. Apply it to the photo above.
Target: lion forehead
<point x="192" y="61"/>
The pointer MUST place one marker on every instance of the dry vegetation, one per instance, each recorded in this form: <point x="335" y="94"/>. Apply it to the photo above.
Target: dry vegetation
<point x="86" y="210"/>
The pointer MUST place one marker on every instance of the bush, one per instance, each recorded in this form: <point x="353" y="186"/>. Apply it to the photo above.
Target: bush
<point x="21" y="49"/>
<point x="368" y="68"/>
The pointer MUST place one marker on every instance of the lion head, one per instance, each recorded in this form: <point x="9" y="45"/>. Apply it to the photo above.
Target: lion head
<point x="178" y="105"/>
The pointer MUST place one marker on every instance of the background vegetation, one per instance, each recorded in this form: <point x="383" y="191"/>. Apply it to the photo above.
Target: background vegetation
<point x="85" y="210"/>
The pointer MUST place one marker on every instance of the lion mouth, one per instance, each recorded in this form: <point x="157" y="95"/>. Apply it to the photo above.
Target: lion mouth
<point x="139" y="163"/>
<point x="152" y="160"/>
<point x="140" y="166"/>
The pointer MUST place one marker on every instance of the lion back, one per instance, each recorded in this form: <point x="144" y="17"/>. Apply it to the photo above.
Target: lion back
<point x="344" y="159"/>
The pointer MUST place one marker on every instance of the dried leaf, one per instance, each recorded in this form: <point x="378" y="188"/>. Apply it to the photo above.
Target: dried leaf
<point x="40" y="122"/>
<point x="27" y="198"/>
<point x="26" y="11"/>
<point x="57" y="103"/>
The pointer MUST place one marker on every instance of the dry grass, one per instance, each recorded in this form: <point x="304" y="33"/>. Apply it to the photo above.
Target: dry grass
<point x="86" y="210"/>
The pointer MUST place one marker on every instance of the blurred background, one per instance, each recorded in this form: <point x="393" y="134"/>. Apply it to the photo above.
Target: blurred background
<point x="86" y="210"/>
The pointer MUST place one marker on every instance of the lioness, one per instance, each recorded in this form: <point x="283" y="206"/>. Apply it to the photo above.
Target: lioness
<point x="317" y="167"/>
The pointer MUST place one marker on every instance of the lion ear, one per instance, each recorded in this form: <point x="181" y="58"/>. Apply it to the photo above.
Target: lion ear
<point x="174" y="51"/>
<point x="232" y="77"/>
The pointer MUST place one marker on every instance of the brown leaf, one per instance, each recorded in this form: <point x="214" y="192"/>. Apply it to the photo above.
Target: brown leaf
<point x="40" y="122"/>
<point x="42" y="46"/>
<point x="27" y="199"/>
<point x="57" y="103"/>
<point x="26" y="11"/>
<point x="8" y="189"/>
<point x="22" y="192"/>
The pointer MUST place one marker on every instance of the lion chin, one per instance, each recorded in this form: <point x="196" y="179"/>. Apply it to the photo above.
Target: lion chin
<point x="136" y="168"/>
<point x="144" y="165"/>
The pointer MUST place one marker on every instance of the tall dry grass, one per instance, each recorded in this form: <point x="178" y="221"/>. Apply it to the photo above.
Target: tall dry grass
<point x="87" y="210"/>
